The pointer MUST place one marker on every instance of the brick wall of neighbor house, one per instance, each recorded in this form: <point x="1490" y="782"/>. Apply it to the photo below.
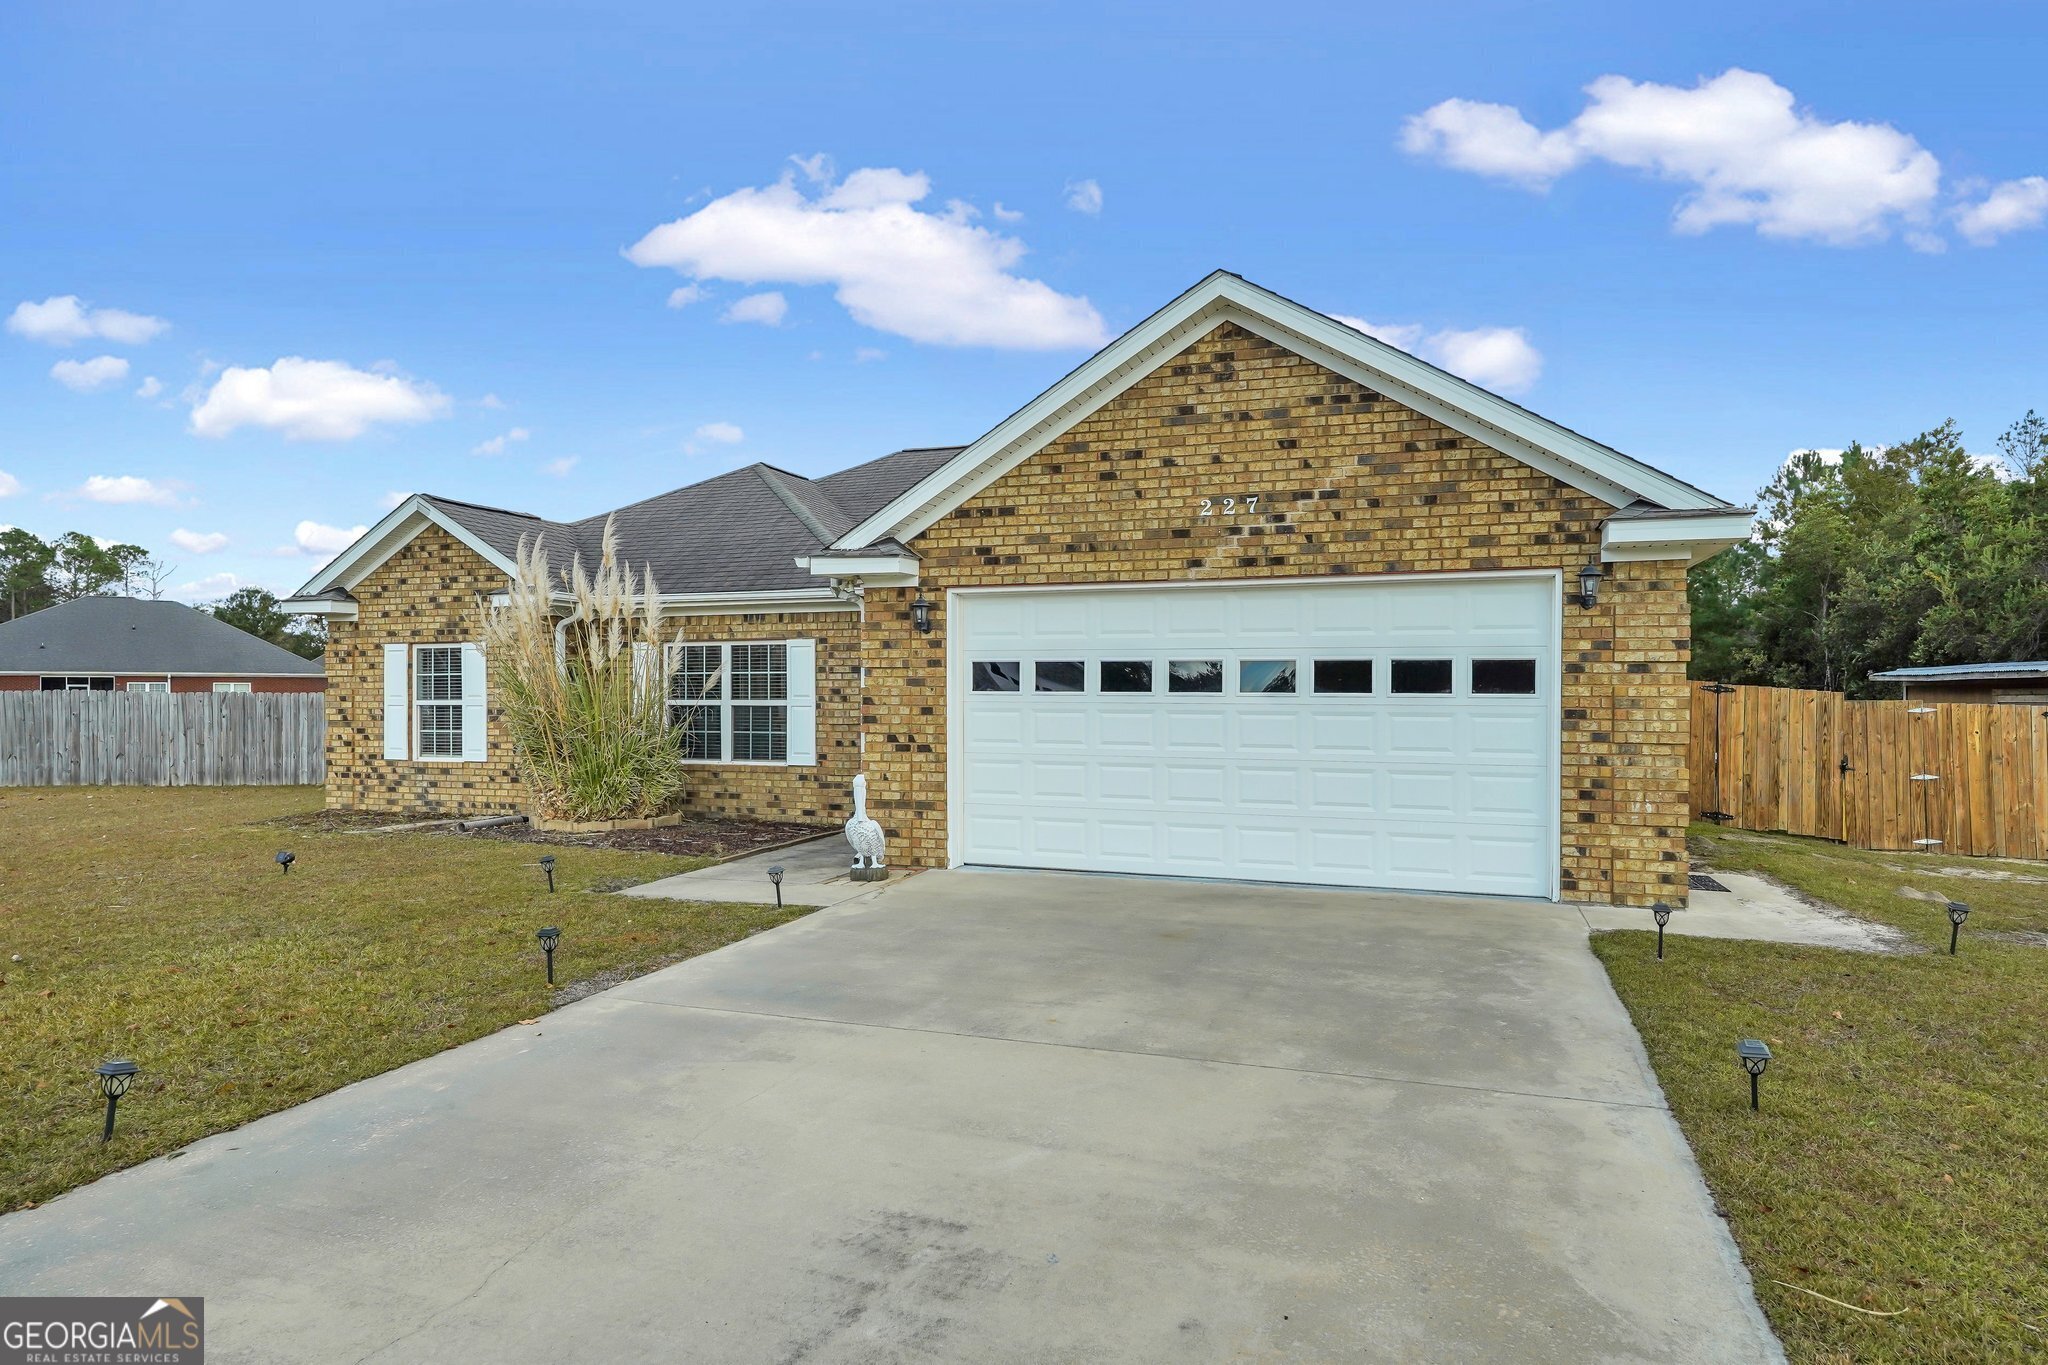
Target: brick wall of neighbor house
<point x="822" y="794"/>
<point x="311" y="682"/>
<point x="427" y="593"/>
<point x="1350" y="483"/>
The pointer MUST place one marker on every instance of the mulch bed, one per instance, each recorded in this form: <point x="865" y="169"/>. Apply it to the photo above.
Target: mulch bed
<point x="708" y="836"/>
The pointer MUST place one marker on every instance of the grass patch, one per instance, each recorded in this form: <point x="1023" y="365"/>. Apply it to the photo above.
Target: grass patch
<point x="1897" y="1160"/>
<point x="152" y="924"/>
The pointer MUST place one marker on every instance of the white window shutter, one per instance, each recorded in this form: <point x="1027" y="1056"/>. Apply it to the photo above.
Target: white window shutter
<point x="397" y="704"/>
<point x="803" y="703"/>
<point x="475" y="719"/>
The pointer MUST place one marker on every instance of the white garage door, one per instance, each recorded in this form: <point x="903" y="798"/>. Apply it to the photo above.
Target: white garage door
<point x="1397" y="734"/>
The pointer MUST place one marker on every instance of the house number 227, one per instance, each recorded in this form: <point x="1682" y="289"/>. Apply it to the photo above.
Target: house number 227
<point x="1229" y="507"/>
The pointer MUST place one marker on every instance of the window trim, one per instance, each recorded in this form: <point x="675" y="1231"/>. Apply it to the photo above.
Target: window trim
<point x="233" y="688"/>
<point x="415" y="702"/>
<point x="146" y="685"/>
<point x="726" y="702"/>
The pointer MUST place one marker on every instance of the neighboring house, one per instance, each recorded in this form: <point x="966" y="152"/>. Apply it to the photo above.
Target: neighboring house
<point x="2021" y="684"/>
<point x="1247" y="595"/>
<point x="131" y="644"/>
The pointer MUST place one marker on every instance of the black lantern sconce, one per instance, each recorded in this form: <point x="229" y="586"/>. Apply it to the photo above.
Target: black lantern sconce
<point x="921" y="614"/>
<point x="285" y="861"/>
<point x="1588" y="595"/>
<point x="1957" y="913"/>
<point x="775" y="876"/>
<point x="115" y="1078"/>
<point x="1662" y="914"/>
<point x="549" y="937"/>
<point x="1755" y="1056"/>
<point x="547" y="865"/>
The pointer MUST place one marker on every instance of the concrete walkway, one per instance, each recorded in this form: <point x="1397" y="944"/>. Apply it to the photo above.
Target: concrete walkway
<point x="1755" y="908"/>
<point x="813" y="873"/>
<point x="979" y="1116"/>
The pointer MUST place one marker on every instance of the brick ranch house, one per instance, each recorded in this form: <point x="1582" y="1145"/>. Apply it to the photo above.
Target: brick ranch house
<point x="1247" y="595"/>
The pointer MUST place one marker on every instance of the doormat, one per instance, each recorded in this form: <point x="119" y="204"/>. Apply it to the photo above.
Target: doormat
<point x="1700" y="881"/>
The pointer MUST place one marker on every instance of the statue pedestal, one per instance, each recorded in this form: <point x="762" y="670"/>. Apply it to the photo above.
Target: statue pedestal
<point x="871" y="874"/>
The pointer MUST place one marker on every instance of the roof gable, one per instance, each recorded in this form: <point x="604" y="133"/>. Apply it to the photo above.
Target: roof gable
<point x="1456" y="403"/>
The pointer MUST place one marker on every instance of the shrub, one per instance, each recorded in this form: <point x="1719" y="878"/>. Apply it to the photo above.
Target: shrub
<point x="582" y="688"/>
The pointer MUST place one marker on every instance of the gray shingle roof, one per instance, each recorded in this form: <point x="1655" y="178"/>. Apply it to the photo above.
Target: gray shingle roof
<point x="131" y="635"/>
<point x="738" y="532"/>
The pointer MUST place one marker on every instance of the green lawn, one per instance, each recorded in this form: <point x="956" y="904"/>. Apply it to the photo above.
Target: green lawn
<point x="1901" y="1158"/>
<point x="153" y="924"/>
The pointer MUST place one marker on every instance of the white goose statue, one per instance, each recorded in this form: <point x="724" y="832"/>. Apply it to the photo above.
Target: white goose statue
<point x="864" y="834"/>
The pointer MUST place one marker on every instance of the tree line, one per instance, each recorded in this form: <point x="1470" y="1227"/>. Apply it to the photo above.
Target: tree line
<point x="1883" y="557"/>
<point x="37" y="573"/>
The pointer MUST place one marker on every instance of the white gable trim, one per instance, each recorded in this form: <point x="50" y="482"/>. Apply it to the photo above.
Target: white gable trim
<point x="1573" y="459"/>
<point x="388" y="537"/>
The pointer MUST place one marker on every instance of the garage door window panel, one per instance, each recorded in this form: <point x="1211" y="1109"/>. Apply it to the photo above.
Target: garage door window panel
<point x="1194" y="675"/>
<point x="1343" y="675"/>
<point x="1060" y="676"/>
<point x="1265" y="676"/>
<point x="998" y="676"/>
<point x="1503" y="677"/>
<point x="1421" y="677"/>
<point x="1125" y="675"/>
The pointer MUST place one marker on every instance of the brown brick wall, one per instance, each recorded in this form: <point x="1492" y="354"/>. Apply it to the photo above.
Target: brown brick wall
<point x="427" y="593"/>
<point x="822" y="794"/>
<point x="1350" y="483"/>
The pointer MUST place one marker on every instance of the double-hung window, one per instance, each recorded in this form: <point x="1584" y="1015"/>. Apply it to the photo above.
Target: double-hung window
<point x="437" y="700"/>
<point x="745" y="702"/>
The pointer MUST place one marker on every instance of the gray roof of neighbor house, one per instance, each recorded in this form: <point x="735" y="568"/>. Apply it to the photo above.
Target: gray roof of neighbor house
<point x="738" y="532"/>
<point x="133" y="635"/>
<point x="2037" y="668"/>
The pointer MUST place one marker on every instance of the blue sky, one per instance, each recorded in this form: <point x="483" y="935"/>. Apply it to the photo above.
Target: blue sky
<point x="360" y="248"/>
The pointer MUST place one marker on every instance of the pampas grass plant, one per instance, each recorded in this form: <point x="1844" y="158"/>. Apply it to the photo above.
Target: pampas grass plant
<point x="582" y="690"/>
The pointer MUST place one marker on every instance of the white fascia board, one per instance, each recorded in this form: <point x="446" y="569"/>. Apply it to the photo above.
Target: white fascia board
<point x="738" y="603"/>
<point x="383" y="540"/>
<point x="876" y="570"/>
<point x="319" y="606"/>
<point x="1587" y="465"/>
<point x="1628" y="539"/>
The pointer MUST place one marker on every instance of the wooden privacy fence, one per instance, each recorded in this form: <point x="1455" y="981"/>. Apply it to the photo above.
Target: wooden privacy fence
<point x="1933" y="777"/>
<point x="162" y="739"/>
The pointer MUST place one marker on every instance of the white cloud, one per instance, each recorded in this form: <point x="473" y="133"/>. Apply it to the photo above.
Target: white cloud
<point x="1499" y="358"/>
<point x="197" y="542"/>
<point x="1084" y="196"/>
<point x="721" y="433"/>
<point x="314" y="539"/>
<point x="768" y="309"/>
<point x="865" y="355"/>
<point x="930" y="277"/>
<point x="1746" y="153"/>
<point x="65" y="318"/>
<point x="1003" y="215"/>
<point x="683" y="295"/>
<point x="313" y="400"/>
<point x="496" y="445"/>
<point x="129" y="488"/>
<point x="817" y="167"/>
<point x="150" y="387"/>
<point x="392" y="499"/>
<point x="210" y="587"/>
<point x="490" y="400"/>
<point x="560" y="468"/>
<point x="9" y="486"/>
<point x="2013" y="206"/>
<point x="83" y="376"/>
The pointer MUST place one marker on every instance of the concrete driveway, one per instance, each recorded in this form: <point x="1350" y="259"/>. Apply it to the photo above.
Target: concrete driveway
<point x="979" y="1116"/>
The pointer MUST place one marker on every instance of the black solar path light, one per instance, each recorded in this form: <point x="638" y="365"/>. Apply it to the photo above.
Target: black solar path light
<point x="285" y="861"/>
<point x="115" y="1078"/>
<point x="1662" y="914"/>
<point x="1755" y="1057"/>
<point x="549" y="937"/>
<point x="547" y="865"/>
<point x="775" y="876"/>
<point x="1957" y="913"/>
